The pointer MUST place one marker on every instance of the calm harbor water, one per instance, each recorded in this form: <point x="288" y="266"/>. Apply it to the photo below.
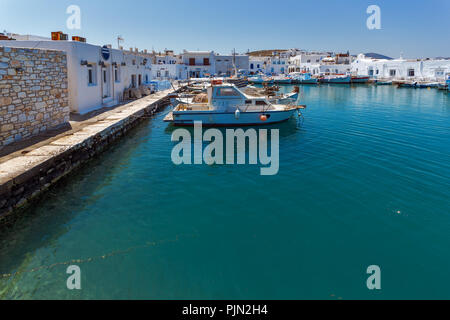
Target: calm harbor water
<point x="365" y="180"/>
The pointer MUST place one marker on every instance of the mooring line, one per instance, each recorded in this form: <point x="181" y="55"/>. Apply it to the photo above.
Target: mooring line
<point x="103" y="257"/>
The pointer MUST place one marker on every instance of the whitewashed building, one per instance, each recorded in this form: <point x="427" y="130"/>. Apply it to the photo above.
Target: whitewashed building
<point x="199" y="64"/>
<point x="306" y="60"/>
<point x="97" y="76"/>
<point x="402" y="69"/>
<point x="257" y="64"/>
<point x="225" y="64"/>
<point x="169" y="66"/>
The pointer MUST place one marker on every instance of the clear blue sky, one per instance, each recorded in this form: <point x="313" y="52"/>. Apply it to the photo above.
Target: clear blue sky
<point x="416" y="28"/>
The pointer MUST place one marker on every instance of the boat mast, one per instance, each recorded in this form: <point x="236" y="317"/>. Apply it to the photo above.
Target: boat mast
<point x="234" y="63"/>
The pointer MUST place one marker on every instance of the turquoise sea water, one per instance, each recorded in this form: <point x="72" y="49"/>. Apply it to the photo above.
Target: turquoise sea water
<point x="365" y="180"/>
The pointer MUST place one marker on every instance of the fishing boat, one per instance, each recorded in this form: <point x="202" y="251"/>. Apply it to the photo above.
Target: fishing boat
<point x="282" y="80"/>
<point x="383" y="83"/>
<point x="260" y="79"/>
<point x="426" y="85"/>
<point x="304" y="78"/>
<point x="240" y="82"/>
<point x="228" y="106"/>
<point x="286" y="98"/>
<point x="405" y="84"/>
<point x="360" y="79"/>
<point x="336" y="79"/>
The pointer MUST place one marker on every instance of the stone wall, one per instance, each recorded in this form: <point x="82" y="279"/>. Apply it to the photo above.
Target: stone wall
<point x="33" y="92"/>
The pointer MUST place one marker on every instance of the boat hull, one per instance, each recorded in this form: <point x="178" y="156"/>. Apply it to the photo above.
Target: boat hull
<point x="228" y="119"/>
<point x="361" y="80"/>
<point x="344" y="80"/>
<point x="383" y="83"/>
<point x="309" y="81"/>
<point x="284" y="81"/>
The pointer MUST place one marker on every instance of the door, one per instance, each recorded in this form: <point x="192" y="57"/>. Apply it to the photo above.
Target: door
<point x="105" y="83"/>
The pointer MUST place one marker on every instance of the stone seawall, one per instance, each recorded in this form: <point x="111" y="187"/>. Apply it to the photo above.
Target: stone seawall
<point x="33" y="92"/>
<point x="26" y="177"/>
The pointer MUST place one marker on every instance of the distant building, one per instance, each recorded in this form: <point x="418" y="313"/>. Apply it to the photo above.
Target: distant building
<point x="169" y="66"/>
<point x="402" y="69"/>
<point x="199" y="64"/>
<point x="257" y="64"/>
<point x="225" y="64"/>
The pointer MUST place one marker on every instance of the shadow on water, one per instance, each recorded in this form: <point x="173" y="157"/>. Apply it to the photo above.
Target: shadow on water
<point x="49" y="217"/>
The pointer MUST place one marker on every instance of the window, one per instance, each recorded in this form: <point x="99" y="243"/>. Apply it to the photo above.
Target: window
<point x="206" y="61"/>
<point x="116" y="74"/>
<point x="104" y="75"/>
<point x="146" y="78"/>
<point x="167" y="73"/>
<point x="260" y="103"/>
<point x="133" y="81"/>
<point x="140" y="79"/>
<point x="392" y="73"/>
<point x="158" y="74"/>
<point x="251" y="66"/>
<point x="192" y="61"/>
<point x="91" y="75"/>
<point x="410" y="72"/>
<point x="248" y="102"/>
<point x="227" y="92"/>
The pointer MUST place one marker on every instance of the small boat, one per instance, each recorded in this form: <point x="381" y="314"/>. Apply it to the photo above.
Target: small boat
<point x="425" y="85"/>
<point x="360" y="79"/>
<point x="383" y="83"/>
<point x="259" y="79"/>
<point x="240" y="82"/>
<point x="336" y="79"/>
<point x="228" y="106"/>
<point x="304" y="78"/>
<point x="405" y="84"/>
<point x="282" y="80"/>
<point x="286" y="98"/>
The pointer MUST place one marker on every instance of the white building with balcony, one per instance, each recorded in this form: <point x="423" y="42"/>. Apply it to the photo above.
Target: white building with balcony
<point x="199" y="64"/>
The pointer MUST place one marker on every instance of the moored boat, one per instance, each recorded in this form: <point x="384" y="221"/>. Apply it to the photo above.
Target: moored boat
<point x="426" y="85"/>
<point x="383" y="83"/>
<point x="360" y="79"/>
<point x="282" y="80"/>
<point x="303" y="78"/>
<point x="229" y="106"/>
<point x="259" y="79"/>
<point x="405" y="84"/>
<point x="336" y="79"/>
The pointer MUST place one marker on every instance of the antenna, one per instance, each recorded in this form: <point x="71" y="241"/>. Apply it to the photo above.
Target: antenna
<point x="119" y="39"/>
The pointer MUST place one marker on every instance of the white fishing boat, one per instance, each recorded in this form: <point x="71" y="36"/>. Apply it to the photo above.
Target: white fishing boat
<point x="229" y="106"/>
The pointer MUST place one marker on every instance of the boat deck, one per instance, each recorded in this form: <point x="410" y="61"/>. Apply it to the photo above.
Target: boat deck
<point x="169" y="117"/>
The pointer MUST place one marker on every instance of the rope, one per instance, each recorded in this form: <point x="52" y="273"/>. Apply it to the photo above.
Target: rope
<point x="148" y="244"/>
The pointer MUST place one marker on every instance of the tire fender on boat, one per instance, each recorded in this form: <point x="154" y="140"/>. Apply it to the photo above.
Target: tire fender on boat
<point x="237" y="114"/>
